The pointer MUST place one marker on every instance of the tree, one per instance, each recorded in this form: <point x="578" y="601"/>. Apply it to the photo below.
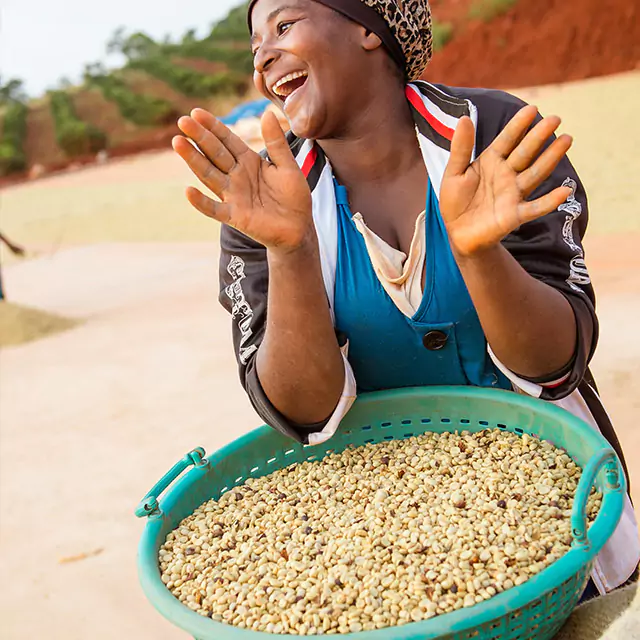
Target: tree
<point x="94" y="70"/>
<point x="233" y="27"/>
<point x="189" y="37"/>
<point x="133" y="47"/>
<point x="12" y="91"/>
<point x="64" y="83"/>
<point x="116" y="42"/>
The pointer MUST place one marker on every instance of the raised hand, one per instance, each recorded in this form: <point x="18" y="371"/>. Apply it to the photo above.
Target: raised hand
<point x="268" y="201"/>
<point x="483" y="201"/>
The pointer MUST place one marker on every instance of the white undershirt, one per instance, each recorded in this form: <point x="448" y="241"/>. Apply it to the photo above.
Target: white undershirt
<point x="399" y="274"/>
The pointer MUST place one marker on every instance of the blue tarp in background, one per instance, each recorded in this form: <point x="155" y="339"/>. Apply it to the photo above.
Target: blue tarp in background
<point x="252" y="109"/>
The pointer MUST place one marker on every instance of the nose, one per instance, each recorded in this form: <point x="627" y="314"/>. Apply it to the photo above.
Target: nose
<point x="264" y="58"/>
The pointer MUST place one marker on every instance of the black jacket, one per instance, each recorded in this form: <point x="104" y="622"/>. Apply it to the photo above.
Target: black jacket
<point x="549" y="249"/>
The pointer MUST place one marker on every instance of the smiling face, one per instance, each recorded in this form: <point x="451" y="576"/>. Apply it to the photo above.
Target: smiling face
<point x="314" y="64"/>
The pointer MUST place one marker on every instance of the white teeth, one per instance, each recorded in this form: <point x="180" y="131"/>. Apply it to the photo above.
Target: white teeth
<point x="288" y="78"/>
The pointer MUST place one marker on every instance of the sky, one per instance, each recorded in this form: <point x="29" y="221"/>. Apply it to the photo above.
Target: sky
<point x="42" y="41"/>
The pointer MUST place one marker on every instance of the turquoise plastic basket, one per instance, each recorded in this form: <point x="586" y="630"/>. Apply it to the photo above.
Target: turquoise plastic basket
<point x="537" y="609"/>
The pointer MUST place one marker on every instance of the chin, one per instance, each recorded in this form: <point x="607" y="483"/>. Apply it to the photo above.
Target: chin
<point x="306" y="124"/>
<point x="302" y="130"/>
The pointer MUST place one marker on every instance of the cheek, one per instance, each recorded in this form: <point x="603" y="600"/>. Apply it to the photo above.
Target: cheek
<point x="258" y="82"/>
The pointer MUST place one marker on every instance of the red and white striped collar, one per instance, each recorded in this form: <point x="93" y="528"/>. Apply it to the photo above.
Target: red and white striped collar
<point x="436" y="116"/>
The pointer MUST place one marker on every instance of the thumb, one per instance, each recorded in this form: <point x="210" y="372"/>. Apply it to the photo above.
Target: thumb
<point x="276" y="141"/>
<point x="461" y="147"/>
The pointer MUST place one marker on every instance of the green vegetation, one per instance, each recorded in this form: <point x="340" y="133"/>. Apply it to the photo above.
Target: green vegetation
<point x="14" y="131"/>
<point x="12" y="91"/>
<point x="14" y="126"/>
<point x="233" y="28"/>
<point x="228" y="44"/>
<point x="442" y="33"/>
<point x="487" y="10"/>
<point x="132" y="47"/>
<point x="74" y="136"/>
<point x="238" y="59"/>
<point x="188" y="81"/>
<point x="140" y="109"/>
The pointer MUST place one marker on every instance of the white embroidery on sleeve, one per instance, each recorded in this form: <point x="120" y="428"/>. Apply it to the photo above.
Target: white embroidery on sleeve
<point x="240" y="309"/>
<point x="578" y="273"/>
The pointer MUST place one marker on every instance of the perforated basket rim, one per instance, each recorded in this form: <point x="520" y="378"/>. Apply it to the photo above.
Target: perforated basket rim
<point x="457" y="624"/>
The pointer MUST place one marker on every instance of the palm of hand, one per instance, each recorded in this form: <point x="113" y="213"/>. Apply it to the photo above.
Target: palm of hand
<point x="483" y="201"/>
<point x="481" y="206"/>
<point x="268" y="203"/>
<point x="267" y="200"/>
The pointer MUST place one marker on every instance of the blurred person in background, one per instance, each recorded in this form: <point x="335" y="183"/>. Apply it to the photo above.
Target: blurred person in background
<point x="403" y="234"/>
<point x="16" y="250"/>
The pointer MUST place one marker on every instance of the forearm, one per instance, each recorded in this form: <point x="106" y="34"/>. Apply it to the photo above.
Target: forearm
<point x="299" y="362"/>
<point x="529" y="325"/>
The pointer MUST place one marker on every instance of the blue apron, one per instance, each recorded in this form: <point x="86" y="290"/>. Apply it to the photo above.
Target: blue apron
<point x="442" y="344"/>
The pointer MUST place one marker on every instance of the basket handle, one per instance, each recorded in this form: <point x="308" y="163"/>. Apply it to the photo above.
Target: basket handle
<point x="603" y="458"/>
<point x="148" y="506"/>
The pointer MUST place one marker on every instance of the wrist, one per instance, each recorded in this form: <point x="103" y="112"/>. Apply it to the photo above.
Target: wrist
<point x="303" y="250"/>
<point x="482" y="255"/>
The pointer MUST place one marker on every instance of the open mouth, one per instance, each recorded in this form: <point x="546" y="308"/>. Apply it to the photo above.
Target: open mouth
<point x="286" y="86"/>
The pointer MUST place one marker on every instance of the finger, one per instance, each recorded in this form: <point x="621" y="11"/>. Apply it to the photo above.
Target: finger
<point x="529" y="180"/>
<point x="230" y="140"/>
<point x="210" y="208"/>
<point x="275" y="141"/>
<point x="529" y="149"/>
<point x="509" y="138"/>
<point x="204" y="170"/>
<point x="528" y="211"/>
<point x="461" y="147"/>
<point x="210" y="146"/>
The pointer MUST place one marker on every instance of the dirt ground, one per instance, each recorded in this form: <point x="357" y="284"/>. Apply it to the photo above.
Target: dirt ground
<point x="535" y="43"/>
<point x="91" y="417"/>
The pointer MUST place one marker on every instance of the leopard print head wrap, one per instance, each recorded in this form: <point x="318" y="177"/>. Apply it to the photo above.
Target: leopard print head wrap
<point x="404" y="26"/>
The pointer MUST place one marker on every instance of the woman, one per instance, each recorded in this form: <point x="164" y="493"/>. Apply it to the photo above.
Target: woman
<point x="337" y="276"/>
